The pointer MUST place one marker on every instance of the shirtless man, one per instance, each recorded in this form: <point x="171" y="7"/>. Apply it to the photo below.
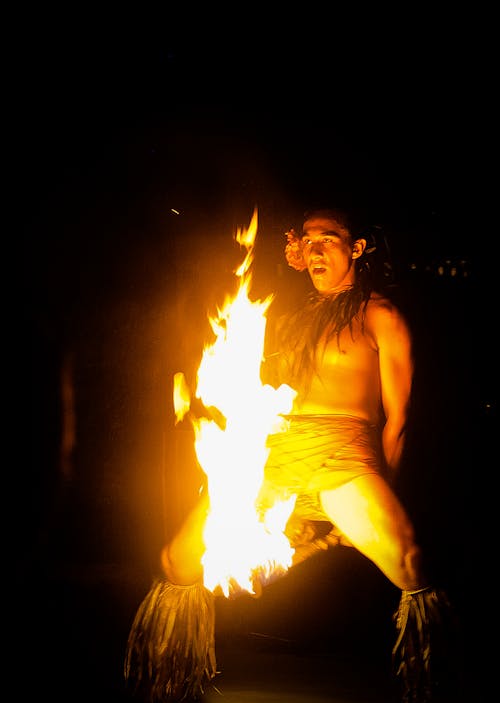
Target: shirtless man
<point x="348" y="354"/>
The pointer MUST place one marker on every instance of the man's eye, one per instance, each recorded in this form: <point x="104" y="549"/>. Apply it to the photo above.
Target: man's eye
<point x="326" y="241"/>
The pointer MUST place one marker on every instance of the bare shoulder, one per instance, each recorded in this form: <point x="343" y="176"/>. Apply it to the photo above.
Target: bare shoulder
<point x="380" y="304"/>
<point x="383" y="316"/>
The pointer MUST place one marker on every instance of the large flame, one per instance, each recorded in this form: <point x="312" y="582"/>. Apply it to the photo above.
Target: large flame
<point x="241" y="550"/>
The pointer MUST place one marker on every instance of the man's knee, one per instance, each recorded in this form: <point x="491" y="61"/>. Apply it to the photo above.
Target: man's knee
<point x="181" y="558"/>
<point x="180" y="569"/>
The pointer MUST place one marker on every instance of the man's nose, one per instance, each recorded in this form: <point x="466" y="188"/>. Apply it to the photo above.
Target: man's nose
<point x="317" y="248"/>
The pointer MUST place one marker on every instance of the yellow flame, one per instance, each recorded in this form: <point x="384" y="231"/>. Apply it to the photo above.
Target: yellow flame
<point x="182" y="397"/>
<point x="240" y="547"/>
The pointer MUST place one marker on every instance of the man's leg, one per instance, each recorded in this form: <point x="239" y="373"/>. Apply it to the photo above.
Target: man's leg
<point x="181" y="557"/>
<point x="373" y="519"/>
<point x="170" y="654"/>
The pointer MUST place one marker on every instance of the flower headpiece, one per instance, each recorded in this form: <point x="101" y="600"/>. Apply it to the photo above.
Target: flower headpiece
<point x="293" y="251"/>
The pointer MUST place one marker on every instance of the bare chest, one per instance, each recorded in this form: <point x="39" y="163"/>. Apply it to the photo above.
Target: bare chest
<point x="352" y="349"/>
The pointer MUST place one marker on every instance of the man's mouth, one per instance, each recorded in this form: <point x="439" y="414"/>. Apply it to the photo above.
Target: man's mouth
<point x="318" y="270"/>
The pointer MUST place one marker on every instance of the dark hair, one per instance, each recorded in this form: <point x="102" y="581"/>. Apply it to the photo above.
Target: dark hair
<point x="352" y="222"/>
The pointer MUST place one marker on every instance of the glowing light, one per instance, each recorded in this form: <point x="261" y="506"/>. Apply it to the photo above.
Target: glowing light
<point x="241" y="549"/>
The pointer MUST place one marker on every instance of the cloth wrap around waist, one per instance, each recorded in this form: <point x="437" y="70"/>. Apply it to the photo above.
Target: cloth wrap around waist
<point x="315" y="453"/>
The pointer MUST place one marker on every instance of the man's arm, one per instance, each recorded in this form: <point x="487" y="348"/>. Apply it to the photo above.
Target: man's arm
<point x="394" y="343"/>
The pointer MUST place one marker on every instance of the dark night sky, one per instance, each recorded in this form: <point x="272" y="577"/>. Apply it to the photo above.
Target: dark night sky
<point x="395" y="121"/>
<point x="113" y="127"/>
<point x="113" y="133"/>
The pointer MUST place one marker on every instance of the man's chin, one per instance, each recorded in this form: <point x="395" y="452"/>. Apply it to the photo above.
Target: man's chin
<point x="319" y="281"/>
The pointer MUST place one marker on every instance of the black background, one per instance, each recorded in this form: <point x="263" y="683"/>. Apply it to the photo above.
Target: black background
<point x="114" y="130"/>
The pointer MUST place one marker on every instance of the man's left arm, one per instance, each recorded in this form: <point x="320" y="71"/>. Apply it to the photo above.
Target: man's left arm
<point x="396" y="376"/>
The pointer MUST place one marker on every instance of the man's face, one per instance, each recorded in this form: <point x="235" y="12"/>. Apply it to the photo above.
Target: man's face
<point x="329" y="254"/>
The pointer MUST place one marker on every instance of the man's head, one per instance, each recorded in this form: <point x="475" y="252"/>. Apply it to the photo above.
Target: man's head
<point x="329" y="250"/>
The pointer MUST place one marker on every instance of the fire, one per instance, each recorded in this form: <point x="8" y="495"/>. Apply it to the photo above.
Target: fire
<point x="241" y="549"/>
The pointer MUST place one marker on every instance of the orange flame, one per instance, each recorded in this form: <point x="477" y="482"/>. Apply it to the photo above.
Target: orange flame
<point x="240" y="548"/>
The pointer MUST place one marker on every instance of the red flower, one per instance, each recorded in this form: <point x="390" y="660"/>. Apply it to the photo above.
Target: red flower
<point x="293" y="251"/>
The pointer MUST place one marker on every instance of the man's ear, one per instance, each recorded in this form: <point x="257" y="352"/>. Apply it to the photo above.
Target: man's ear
<point x="358" y="248"/>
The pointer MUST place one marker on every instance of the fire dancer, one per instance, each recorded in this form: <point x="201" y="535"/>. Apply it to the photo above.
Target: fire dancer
<point x="348" y="354"/>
